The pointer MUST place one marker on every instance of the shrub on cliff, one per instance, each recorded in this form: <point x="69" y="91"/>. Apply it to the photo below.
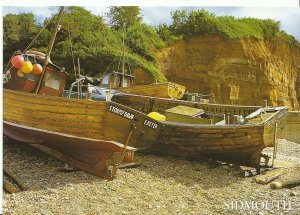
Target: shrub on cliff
<point x="200" y="22"/>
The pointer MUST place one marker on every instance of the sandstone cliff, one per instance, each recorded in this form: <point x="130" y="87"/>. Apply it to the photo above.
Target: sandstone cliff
<point x="245" y="71"/>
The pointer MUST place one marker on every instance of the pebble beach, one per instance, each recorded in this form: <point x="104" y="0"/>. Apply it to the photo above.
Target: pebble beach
<point x="159" y="185"/>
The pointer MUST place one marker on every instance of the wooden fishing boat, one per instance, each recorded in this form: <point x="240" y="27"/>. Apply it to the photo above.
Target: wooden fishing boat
<point x="124" y="83"/>
<point x="90" y="135"/>
<point x="94" y="136"/>
<point x="236" y="133"/>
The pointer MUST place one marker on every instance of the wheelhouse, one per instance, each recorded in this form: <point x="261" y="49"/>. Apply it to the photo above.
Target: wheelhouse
<point x="53" y="82"/>
<point x="117" y="79"/>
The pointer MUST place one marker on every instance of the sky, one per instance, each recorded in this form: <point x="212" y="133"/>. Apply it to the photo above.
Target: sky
<point x="289" y="17"/>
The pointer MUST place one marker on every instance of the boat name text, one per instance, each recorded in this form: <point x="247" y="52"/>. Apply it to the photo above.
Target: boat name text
<point x="121" y="112"/>
<point x="150" y="124"/>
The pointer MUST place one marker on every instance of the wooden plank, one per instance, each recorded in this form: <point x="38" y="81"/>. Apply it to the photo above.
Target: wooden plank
<point x="77" y="131"/>
<point x="269" y="176"/>
<point x="62" y="118"/>
<point x="57" y="125"/>
<point x="285" y="184"/>
<point x="159" y="90"/>
<point x="83" y="118"/>
<point x="9" y="187"/>
<point x="191" y="142"/>
<point x="78" y="128"/>
<point x="62" y="108"/>
<point x="14" y="177"/>
<point x="51" y="100"/>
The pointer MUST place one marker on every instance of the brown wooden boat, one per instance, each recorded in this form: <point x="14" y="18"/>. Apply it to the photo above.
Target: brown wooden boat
<point x="94" y="136"/>
<point x="227" y="139"/>
<point x="90" y="135"/>
<point x="124" y="83"/>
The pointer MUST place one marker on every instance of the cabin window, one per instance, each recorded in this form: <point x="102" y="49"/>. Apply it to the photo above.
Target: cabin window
<point x="53" y="80"/>
<point x="105" y="79"/>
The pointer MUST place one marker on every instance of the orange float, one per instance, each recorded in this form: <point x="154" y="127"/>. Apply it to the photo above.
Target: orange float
<point x="17" y="61"/>
<point x="37" y="69"/>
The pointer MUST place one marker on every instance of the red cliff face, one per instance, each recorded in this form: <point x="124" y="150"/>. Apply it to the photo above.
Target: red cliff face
<point x="245" y="71"/>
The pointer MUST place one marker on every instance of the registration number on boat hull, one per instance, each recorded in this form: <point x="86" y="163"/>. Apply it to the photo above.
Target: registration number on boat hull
<point x="121" y="112"/>
<point x="150" y="124"/>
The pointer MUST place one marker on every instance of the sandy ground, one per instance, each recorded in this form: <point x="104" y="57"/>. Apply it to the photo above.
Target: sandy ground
<point x="161" y="185"/>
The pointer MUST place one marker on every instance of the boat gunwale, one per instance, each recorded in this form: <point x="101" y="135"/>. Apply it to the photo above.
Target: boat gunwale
<point x="191" y="102"/>
<point x="53" y="97"/>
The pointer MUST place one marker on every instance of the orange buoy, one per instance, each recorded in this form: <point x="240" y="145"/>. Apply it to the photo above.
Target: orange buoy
<point x="17" y="61"/>
<point x="37" y="69"/>
<point x="27" y="67"/>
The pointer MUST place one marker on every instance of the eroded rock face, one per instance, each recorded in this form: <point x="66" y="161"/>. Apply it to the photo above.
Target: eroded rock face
<point x="244" y="71"/>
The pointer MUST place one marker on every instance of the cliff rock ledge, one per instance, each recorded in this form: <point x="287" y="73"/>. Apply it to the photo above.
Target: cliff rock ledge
<point x="243" y="71"/>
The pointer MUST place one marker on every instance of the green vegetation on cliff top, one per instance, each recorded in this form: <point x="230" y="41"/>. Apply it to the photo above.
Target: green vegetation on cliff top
<point x="186" y="25"/>
<point x="98" y="45"/>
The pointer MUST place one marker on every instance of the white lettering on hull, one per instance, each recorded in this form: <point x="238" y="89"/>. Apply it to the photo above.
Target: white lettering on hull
<point x="150" y="124"/>
<point x="121" y="112"/>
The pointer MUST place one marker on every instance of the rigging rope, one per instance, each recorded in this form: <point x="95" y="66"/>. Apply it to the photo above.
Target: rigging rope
<point x="30" y="44"/>
<point x="34" y="39"/>
<point x="71" y="46"/>
<point x="110" y="65"/>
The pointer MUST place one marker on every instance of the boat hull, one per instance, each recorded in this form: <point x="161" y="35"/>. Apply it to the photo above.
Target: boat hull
<point x="239" y="143"/>
<point x="93" y="133"/>
<point x="86" y="154"/>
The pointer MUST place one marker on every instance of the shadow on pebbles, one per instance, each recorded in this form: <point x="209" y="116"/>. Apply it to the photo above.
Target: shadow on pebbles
<point x="160" y="185"/>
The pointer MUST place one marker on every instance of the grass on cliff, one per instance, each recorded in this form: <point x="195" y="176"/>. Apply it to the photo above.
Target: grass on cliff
<point x="186" y="25"/>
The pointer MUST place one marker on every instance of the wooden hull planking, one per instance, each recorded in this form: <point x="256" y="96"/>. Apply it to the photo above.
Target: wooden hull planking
<point x="32" y="118"/>
<point x="242" y="143"/>
<point x="163" y="90"/>
<point x="70" y="116"/>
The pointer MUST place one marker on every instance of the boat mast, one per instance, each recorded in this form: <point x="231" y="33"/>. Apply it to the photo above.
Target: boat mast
<point x="49" y="49"/>
<point x="123" y="57"/>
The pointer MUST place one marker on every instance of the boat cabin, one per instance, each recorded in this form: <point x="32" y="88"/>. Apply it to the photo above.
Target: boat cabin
<point x="115" y="79"/>
<point x="53" y="83"/>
